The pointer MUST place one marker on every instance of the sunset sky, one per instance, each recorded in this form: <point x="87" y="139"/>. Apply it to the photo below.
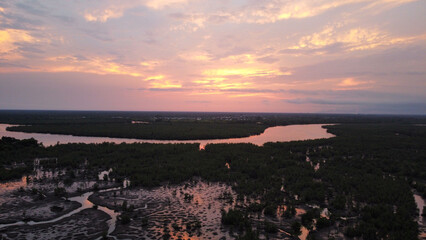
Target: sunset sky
<point x="320" y="56"/>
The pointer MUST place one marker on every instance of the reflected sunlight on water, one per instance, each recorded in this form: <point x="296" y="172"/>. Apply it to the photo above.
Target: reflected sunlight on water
<point x="272" y="134"/>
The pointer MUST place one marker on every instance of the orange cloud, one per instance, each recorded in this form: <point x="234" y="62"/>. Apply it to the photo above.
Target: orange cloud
<point x="159" y="4"/>
<point x="349" y="82"/>
<point x="281" y="9"/>
<point x="165" y="84"/>
<point x="352" y="40"/>
<point x="9" y="38"/>
<point x="97" y="65"/>
<point x="149" y="64"/>
<point x="353" y="84"/>
<point x="157" y="77"/>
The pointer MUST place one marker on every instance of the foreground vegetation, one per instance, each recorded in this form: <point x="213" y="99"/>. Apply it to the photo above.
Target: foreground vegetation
<point x="365" y="177"/>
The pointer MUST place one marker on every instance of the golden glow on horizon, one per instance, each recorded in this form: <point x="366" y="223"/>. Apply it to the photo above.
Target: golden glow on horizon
<point x="164" y="84"/>
<point x="349" y="82"/>
<point x="157" y="77"/>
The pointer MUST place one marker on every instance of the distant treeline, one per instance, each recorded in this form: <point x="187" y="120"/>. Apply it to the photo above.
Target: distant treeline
<point x="178" y="130"/>
<point x="32" y="117"/>
<point x="174" y="125"/>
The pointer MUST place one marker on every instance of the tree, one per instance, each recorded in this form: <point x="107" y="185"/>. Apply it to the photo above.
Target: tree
<point x="295" y="228"/>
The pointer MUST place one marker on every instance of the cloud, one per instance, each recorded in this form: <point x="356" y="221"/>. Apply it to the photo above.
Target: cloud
<point x="379" y="107"/>
<point x="329" y="50"/>
<point x="196" y="56"/>
<point x="268" y="59"/>
<point x="88" y="64"/>
<point x="199" y="102"/>
<point x="157" y="77"/>
<point x="350" y="82"/>
<point x="34" y="8"/>
<point x="103" y="15"/>
<point x="188" y="22"/>
<point x="167" y="89"/>
<point x="397" y="63"/>
<point x="213" y="90"/>
<point x="244" y="72"/>
<point x="160" y="4"/>
<point x="9" y="37"/>
<point x="10" y="40"/>
<point x="335" y="38"/>
<point x="321" y="101"/>
<point x="352" y="97"/>
<point x="5" y="64"/>
<point x="271" y="11"/>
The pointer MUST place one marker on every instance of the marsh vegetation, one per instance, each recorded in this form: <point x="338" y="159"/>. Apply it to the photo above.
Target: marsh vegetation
<point x="358" y="184"/>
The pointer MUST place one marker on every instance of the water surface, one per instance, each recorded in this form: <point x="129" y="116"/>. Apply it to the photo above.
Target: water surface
<point x="271" y="134"/>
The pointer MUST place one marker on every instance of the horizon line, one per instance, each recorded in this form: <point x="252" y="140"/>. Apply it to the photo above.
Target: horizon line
<point x="174" y="111"/>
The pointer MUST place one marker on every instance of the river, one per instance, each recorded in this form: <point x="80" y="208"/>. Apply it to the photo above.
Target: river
<point x="272" y="134"/>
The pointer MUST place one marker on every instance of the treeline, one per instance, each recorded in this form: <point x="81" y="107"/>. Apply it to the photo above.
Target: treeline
<point x="161" y="130"/>
<point x="16" y="157"/>
<point x="38" y="117"/>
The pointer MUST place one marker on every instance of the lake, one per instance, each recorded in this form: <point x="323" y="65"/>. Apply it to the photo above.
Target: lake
<point x="272" y="134"/>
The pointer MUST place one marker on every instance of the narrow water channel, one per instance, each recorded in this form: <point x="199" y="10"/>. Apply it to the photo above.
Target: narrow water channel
<point x="85" y="204"/>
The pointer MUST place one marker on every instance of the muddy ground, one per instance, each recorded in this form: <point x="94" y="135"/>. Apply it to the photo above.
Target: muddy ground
<point x="87" y="224"/>
<point x="186" y="211"/>
<point x="26" y="209"/>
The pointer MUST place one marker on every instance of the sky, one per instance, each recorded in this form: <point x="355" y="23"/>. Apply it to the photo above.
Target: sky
<point x="316" y="56"/>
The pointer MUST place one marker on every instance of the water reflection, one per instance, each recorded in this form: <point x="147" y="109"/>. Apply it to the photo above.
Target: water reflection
<point x="85" y="204"/>
<point x="12" y="185"/>
<point x="420" y="202"/>
<point x="104" y="175"/>
<point x="272" y="134"/>
<point x="304" y="234"/>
